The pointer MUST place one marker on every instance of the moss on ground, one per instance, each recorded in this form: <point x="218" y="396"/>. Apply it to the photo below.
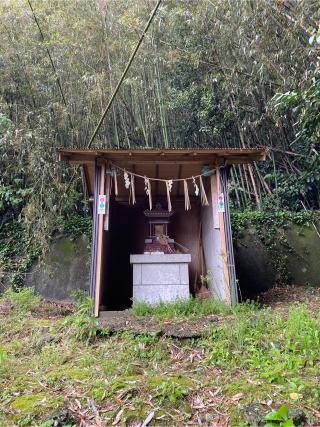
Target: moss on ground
<point x="35" y="403"/>
<point x="69" y="373"/>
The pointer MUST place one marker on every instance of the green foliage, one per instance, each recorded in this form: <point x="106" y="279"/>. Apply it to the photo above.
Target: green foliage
<point x="304" y="100"/>
<point x="302" y="337"/>
<point x="269" y="219"/>
<point x="279" y="418"/>
<point x="269" y="346"/>
<point x="77" y="225"/>
<point x="26" y="421"/>
<point x="17" y="252"/>
<point x="6" y="125"/>
<point x="193" y="84"/>
<point x="32" y="198"/>
<point x="14" y="190"/>
<point x="171" y="390"/>
<point x="303" y="104"/>
<point x="3" y="357"/>
<point x="193" y="307"/>
<point x="82" y="324"/>
<point x="22" y="299"/>
<point x="18" y="249"/>
<point x="12" y="197"/>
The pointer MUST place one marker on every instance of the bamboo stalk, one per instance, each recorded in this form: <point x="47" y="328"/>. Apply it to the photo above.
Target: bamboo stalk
<point x="124" y="74"/>
<point x="235" y="190"/>
<point x="113" y="109"/>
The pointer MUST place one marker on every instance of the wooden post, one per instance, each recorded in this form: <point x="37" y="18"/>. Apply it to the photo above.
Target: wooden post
<point x="213" y="240"/>
<point x="99" y="245"/>
<point x="95" y="219"/>
<point x="106" y="223"/>
<point x="223" y="242"/>
<point x="228" y="238"/>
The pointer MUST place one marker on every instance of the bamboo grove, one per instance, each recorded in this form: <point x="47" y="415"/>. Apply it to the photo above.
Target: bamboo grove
<point x="210" y="73"/>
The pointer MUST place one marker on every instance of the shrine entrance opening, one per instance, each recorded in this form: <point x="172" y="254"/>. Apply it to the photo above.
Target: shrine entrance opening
<point x="129" y="233"/>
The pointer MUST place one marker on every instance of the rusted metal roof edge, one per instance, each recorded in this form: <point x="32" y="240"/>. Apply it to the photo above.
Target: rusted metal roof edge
<point x="91" y="154"/>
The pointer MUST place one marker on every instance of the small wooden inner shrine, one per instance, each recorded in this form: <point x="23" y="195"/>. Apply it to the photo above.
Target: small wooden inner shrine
<point x="161" y="273"/>
<point x="158" y="240"/>
<point x="189" y="234"/>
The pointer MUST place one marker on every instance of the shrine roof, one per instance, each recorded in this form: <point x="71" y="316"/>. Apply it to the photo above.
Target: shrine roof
<point x="159" y="163"/>
<point x="232" y="155"/>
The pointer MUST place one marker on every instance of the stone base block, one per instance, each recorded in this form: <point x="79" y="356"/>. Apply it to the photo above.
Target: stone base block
<point x="154" y="294"/>
<point x="160" y="277"/>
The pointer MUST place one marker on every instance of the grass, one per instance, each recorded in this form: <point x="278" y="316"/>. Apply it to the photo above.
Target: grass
<point x="22" y="299"/>
<point x="267" y="356"/>
<point x="191" y="308"/>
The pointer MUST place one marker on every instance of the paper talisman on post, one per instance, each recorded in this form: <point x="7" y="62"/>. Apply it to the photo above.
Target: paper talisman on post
<point x="220" y="203"/>
<point x="101" y="204"/>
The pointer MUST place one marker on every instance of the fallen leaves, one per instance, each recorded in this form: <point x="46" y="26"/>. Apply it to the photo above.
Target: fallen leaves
<point x="237" y="397"/>
<point x="148" y="420"/>
<point x="295" y="396"/>
<point x="117" y="418"/>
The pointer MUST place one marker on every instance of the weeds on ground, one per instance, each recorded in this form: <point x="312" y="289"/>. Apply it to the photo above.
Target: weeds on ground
<point x="278" y="354"/>
<point x="267" y="338"/>
<point x="171" y="390"/>
<point x="82" y="324"/>
<point x="279" y="418"/>
<point x="191" y="308"/>
<point x="22" y="299"/>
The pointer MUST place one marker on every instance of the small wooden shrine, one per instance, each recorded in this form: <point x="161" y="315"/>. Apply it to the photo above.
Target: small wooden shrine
<point x="161" y="273"/>
<point x="158" y="240"/>
<point x="159" y="206"/>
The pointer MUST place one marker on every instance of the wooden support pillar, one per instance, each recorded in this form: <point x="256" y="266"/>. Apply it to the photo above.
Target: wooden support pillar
<point x="211" y="240"/>
<point x="95" y="220"/>
<point x="217" y="240"/>
<point x="234" y="299"/>
<point x="99" y="243"/>
<point x="223" y="243"/>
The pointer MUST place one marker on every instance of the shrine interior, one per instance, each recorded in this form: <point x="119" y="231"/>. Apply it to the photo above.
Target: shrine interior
<point x="128" y="230"/>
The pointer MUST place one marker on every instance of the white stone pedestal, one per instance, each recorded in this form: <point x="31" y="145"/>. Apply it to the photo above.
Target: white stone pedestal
<point x="160" y="277"/>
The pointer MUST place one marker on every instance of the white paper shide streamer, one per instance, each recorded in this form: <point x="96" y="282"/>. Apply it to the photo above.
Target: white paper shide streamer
<point x="187" y="204"/>
<point x="132" y="197"/>
<point x="196" y="187"/>
<point x="147" y="189"/>
<point x="169" y="183"/>
<point x="204" y="200"/>
<point x="126" y="180"/>
<point x="129" y="183"/>
<point x="115" y="179"/>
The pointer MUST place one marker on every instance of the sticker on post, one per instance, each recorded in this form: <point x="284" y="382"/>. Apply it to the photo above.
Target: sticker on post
<point x="101" y="204"/>
<point x="220" y="207"/>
